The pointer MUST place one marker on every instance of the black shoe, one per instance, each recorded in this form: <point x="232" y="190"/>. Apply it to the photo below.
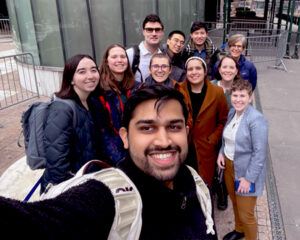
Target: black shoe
<point x="222" y="203"/>
<point x="234" y="235"/>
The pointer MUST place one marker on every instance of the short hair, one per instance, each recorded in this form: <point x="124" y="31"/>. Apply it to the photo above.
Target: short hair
<point x="176" y="32"/>
<point x="152" y="18"/>
<point x="218" y="75"/>
<point x="237" y="38"/>
<point x="198" y="25"/>
<point x="71" y="64"/>
<point x="157" y="92"/>
<point x="241" y="84"/>
<point x="160" y="55"/>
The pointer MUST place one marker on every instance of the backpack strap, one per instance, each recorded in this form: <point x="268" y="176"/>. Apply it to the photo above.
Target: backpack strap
<point x="127" y="223"/>
<point x="136" y="61"/>
<point x="204" y="200"/>
<point x="71" y="104"/>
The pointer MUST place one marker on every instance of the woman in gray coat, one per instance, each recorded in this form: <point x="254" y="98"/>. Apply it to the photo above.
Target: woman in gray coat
<point x="243" y="156"/>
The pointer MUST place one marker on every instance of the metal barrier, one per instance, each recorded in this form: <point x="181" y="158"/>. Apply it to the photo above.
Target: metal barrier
<point x="263" y="45"/>
<point x="5" y="30"/>
<point x="17" y="79"/>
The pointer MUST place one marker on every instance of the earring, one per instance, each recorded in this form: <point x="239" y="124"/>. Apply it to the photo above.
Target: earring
<point x="72" y="82"/>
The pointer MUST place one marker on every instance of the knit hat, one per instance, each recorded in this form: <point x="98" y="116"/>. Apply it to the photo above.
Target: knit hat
<point x="197" y="58"/>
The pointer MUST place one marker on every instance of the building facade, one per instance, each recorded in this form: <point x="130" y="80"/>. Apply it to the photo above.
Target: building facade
<point x="54" y="30"/>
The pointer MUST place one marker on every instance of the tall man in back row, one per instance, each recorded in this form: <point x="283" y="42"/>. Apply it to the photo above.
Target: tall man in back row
<point x="139" y="56"/>
<point x="176" y="202"/>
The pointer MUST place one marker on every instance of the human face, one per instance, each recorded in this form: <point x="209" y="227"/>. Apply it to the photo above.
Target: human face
<point x="86" y="77"/>
<point x="240" y="100"/>
<point x="195" y="73"/>
<point x="117" y="60"/>
<point x="236" y="49"/>
<point x="157" y="140"/>
<point x="199" y="37"/>
<point x="153" y="37"/>
<point x="160" y="69"/>
<point x="228" y="69"/>
<point x="176" y="43"/>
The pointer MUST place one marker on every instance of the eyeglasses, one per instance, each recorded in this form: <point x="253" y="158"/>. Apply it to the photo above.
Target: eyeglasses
<point x="150" y="30"/>
<point x="236" y="46"/>
<point x="162" y="67"/>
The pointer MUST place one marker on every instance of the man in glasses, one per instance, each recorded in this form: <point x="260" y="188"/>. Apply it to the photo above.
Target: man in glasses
<point x="160" y="69"/>
<point x="174" y="49"/>
<point x="140" y="56"/>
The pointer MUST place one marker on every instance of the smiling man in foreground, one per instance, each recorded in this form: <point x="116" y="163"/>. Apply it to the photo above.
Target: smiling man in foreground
<point x="175" y="201"/>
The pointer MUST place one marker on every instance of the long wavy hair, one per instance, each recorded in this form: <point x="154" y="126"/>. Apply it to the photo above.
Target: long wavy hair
<point x="107" y="80"/>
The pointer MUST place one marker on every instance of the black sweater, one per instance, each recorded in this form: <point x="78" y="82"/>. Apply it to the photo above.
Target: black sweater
<point x="88" y="210"/>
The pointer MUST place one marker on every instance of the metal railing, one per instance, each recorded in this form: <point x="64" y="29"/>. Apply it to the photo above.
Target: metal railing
<point x="263" y="44"/>
<point x="17" y="79"/>
<point x="5" y="29"/>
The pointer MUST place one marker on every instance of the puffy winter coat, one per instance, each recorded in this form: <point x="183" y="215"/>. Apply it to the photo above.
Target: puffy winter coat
<point x="67" y="148"/>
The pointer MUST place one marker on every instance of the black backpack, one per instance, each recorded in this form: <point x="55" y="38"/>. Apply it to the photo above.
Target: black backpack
<point x="136" y="61"/>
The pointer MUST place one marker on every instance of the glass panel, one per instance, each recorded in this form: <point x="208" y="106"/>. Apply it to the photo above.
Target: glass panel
<point x="47" y="32"/>
<point x="107" y="25"/>
<point x="135" y="12"/>
<point x="14" y="25"/>
<point x="75" y="27"/>
<point x="26" y="28"/>
<point x="178" y="15"/>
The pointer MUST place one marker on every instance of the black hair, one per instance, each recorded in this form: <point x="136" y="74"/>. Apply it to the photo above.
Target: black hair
<point x="198" y="25"/>
<point x="176" y="32"/>
<point x="158" y="92"/>
<point x="152" y="18"/>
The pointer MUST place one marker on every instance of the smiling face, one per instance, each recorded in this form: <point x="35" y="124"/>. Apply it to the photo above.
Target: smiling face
<point x="117" y="61"/>
<point x="199" y="37"/>
<point x="228" y="69"/>
<point x="236" y="49"/>
<point x="86" y="77"/>
<point x="195" y="73"/>
<point x="153" y="33"/>
<point x="157" y="139"/>
<point x="240" y="99"/>
<point x="176" y="43"/>
<point x="160" y="69"/>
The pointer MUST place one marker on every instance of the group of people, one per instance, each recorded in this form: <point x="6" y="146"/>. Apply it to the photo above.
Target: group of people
<point x="149" y="110"/>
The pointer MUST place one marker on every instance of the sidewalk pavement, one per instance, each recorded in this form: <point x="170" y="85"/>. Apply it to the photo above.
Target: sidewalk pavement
<point x="280" y="102"/>
<point x="278" y="98"/>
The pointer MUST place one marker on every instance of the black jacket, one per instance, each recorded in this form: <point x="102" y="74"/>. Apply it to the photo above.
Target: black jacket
<point x="67" y="148"/>
<point x="89" y="209"/>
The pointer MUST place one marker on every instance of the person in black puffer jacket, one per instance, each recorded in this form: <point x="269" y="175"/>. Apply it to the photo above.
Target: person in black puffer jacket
<point x="67" y="147"/>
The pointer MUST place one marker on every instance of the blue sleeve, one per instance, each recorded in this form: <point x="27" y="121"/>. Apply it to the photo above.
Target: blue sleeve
<point x="253" y="76"/>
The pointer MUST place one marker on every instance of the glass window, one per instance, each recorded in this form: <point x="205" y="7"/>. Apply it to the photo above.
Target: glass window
<point x="26" y="29"/>
<point x="48" y="33"/>
<point x="75" y="26"/>
<point x="135" y="11"/>
<point x="107" y="24"/>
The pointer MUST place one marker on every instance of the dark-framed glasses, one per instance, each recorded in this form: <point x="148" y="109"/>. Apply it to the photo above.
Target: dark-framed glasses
<point x="150" y="30"/>
<point x="162" y="67"/>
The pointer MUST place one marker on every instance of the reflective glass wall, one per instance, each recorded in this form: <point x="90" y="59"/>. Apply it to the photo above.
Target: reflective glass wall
<point x="54" y="30"/>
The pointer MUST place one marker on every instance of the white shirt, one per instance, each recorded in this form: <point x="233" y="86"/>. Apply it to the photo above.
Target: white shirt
<point x="145" y="57"/>
<point x="229" y="136"/>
